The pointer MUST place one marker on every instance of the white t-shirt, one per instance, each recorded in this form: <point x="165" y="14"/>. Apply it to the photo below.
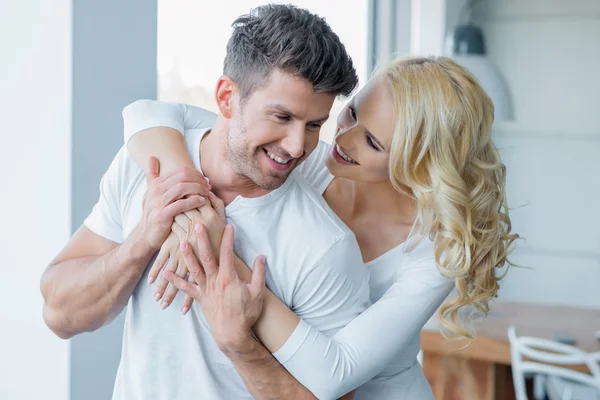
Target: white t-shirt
<point x="377" y="351"/>
<point x="313" y="265"/>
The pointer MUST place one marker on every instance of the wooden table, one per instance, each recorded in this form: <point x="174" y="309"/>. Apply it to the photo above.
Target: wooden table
<point x="481" y="370"/>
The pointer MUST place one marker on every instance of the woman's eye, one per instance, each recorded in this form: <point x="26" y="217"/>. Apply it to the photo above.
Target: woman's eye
<point x="352" y="112"/>
<point x="371" y="143"/>
<point x="283" y="117"/>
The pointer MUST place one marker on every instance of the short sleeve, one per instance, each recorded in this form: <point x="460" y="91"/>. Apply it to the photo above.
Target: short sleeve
<point x="106" y="217"/>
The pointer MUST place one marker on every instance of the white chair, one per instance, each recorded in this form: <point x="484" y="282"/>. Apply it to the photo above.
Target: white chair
<point x="561" y="383"/>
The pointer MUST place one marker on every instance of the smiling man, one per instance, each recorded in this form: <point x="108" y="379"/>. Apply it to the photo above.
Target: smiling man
<point x="283" y="69"/>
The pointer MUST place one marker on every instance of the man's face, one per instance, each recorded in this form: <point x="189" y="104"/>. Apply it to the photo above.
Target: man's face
<point x="276" y="128"/>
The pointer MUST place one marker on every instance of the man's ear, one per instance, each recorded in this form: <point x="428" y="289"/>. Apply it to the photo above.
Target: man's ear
<point x="225" y="95"/>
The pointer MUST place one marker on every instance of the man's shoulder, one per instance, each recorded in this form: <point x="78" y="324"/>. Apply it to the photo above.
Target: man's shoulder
<point x="310" y="229"/>
<point x="310" y="206"/>
<point x="123" y="174"/>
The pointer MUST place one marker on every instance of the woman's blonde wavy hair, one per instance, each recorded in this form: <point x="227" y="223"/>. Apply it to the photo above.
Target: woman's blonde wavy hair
<point x="443" y="156"/>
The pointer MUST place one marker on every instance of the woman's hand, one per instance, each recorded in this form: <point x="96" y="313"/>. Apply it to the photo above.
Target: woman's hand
<point x="171" y="259"/>
<point x="211" y="215"/>
<point x="230" y="305"/>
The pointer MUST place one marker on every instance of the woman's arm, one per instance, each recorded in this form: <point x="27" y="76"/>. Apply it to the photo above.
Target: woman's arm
<point x="161" y="126"/>
<point x="362" y="349"/>
<point x="166" y="144"/>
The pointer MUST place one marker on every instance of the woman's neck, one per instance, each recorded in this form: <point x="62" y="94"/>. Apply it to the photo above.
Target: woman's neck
<point x="380" y="216"/>
<point x="373" y="199"/>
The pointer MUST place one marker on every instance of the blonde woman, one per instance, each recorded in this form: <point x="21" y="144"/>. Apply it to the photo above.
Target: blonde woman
<point x="414" y="173"/>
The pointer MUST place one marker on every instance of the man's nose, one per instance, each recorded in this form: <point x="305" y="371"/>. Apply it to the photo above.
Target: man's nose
<point x="293" y="143"/>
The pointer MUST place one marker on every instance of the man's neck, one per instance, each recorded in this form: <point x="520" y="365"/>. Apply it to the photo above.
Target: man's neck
<point x="226" y="184"/>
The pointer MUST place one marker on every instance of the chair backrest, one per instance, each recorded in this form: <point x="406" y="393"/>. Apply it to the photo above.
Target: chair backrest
<point x="540" y="353"/>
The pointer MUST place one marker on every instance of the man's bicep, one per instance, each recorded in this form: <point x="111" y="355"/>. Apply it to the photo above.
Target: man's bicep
<point x="336" y="290"/>
<point x="84" y="243"/>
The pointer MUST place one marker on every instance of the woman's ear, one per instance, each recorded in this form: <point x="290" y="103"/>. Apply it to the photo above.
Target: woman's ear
<point x="224" y="95"/>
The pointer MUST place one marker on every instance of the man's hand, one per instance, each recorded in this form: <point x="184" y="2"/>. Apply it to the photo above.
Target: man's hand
<point x="165" y="197"/>
<point x="230" y="305"/>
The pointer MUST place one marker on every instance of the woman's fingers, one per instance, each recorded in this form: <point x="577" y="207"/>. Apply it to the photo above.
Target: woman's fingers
<point x="171" y="291"/>
<point x="162" y="284"/>
<point x="157" y="266"/>
<point x="181" y="223"/>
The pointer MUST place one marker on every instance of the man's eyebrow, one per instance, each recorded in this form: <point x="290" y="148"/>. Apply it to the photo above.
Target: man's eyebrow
<point x="285" y="110"/>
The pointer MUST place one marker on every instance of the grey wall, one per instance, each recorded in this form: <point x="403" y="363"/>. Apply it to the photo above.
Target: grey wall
<point x="114" y="63"/>
<point x="389" y="31"/>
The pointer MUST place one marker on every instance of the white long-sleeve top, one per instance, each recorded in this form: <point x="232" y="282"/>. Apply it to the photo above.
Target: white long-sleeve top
<point x="376" y="352"/>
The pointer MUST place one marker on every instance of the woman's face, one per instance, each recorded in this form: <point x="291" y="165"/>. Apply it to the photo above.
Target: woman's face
<point x="361" y="146"/>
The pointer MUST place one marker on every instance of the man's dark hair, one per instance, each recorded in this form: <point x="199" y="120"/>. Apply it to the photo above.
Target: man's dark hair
<point x="293" y="40"/>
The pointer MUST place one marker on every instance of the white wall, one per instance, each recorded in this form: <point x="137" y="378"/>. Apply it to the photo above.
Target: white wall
<point x="549" y="53"/>
<point x="35" y="104"/>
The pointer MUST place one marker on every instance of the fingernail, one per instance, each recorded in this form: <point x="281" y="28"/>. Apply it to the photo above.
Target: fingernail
<point x="149" y="280"/>
<point x="202" y="200"/>
<point x="263" y="259"/>
<point x="198" y="228"/>
<point x="163" y="305"/>
<point x="183" y="245"/>
<point x="156" y="296"/>
<point x="207" y="180"/>
<point x="184" y="310"/>
<point x="165" y="274"/>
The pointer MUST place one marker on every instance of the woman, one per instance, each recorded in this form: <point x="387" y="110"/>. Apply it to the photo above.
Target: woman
<point x="414" y="173"/>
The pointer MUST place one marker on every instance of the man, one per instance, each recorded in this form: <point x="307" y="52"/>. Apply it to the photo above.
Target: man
<point x="283" y="69"/>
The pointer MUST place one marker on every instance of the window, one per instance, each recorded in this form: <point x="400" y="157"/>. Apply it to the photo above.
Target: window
<point x="192" y="37"/>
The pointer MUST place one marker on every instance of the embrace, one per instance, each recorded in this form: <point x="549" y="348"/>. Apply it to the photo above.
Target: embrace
<point x="255" y="261"/>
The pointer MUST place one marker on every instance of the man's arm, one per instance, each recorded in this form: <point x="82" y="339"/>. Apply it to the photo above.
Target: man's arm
<point x="91" y="280"/>
<point x="262" y="374"/>
<point x="264" y="377"/>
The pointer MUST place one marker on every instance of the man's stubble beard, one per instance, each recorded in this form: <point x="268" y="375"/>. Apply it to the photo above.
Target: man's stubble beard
<point x="244" y="161"/>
